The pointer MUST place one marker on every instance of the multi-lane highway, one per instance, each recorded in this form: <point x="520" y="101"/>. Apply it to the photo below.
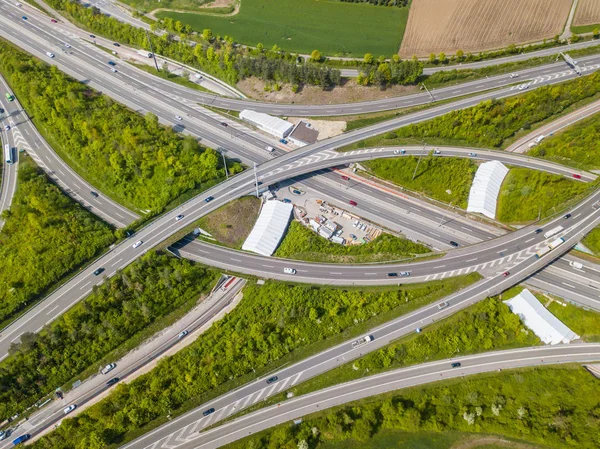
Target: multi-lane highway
<point x="185" y="431"/>
<point x="9" y="170"/>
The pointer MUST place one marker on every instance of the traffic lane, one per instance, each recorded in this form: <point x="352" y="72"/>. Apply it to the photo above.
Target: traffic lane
<point x="298" y="407"/>
<point x="471" y="153"/>
<point x="475" y="86"/>
<point x="387" y="210"/>
<point x="585" y="294"/>
<point x="96" y="385"/>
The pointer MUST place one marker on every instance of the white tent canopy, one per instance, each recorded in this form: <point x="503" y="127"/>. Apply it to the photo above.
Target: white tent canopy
<point x="485" y="188"/>
<point x="539" y="319"/>
<point x="272" y="125"/>
<point x="269" y="229"/>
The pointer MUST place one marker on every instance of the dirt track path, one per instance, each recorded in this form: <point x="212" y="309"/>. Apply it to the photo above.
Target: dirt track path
<point x="209" y="6"/>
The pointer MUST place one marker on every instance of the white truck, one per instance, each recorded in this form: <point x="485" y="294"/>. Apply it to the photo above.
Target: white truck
<point x="362" y="341"/>
<point x="576" y="265"/>
<point x="552" y="232"/>
<point x="144" y="53"/>
<point x="269" y="149"/>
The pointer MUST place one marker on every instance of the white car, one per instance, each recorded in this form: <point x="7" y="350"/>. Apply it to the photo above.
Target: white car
<point x="289" y="271"/>
<point x="523" y="86"/>
<point x="67" y="45"/>
<point x="514" y="75"/>
<point x="472" y="154"/>
<point x="178" y="217"/>
<point x="178" y="117"/>
<point x="114" y="70"/>
<point x="138" y="243"/>
<point x="108" y="368"/>
<point x="401" y="151"/>
<point x="437" y="152"/>
<point x="50" y="55"/>
<point x="69" y="409"/>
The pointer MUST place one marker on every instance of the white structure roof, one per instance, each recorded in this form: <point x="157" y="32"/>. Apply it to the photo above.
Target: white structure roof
<point x="272" y="125"/>
<point x="539" y="319"/>
<point x="486" y="186"/>
<point x="269" y="229"/>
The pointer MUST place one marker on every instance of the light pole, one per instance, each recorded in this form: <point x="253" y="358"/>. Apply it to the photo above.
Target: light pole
<point x="256" y="180"/>
<point x="432" y="99"/>
<point x="225" y="164"/>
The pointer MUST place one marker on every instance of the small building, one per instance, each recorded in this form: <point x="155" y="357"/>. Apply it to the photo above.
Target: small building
<point x="314" y="225"/>
<point x="269" y="229"/>
<point x="338" y="239"/>
<point x="539" y="319"/>
<point x="332" y="225"/>
<point x="486" y="187"/>
<point x="303" y="134"/>
<point x="269" y="124"/>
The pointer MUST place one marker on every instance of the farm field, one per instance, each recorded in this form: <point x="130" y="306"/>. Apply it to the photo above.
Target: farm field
<point x="475" y="25"/>
<point x="587" y="16"/>
<point x="332" y="27"/>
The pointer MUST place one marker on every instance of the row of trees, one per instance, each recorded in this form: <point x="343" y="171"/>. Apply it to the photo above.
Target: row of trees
<point x="45" y="236"/>
<point x="491" y="122"/>
<point x="554" y="407"/>
<point x="269" y="323"/>
<point x="393" y="72"/>
<point x="129" y="157"/>
<point x="118" y="309"/>
<point x="303" y="244"/>
<point x="400" y="3"/>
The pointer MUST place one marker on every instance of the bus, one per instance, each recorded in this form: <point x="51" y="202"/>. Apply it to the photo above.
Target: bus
<point x="9" y="97"/>
<point x="8" y="154"/>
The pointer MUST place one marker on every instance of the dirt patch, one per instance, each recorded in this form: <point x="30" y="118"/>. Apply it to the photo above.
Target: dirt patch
<point x="476" y="442"/>
<point x="348" y="93"/>
<point x="206" y="6"/>
<point x="231" y="224"/>
<point x="475" y="25"/>
<point x="588" y="13"/>
<point x="326" y="128"/>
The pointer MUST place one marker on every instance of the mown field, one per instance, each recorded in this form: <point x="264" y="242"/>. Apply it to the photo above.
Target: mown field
<point x="332" y="27"/>
<point x="587" y="16"/>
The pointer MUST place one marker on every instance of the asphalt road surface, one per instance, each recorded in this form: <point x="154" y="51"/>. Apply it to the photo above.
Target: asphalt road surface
<point x="130" y="364"/>
<point x="9" y="171"/>
<point x="190" y="436"/>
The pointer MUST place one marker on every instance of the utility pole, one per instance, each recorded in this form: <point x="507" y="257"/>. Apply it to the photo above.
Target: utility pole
<point x="225" y="164"/>
<point x="419" y="161"/>
<point x="432" y="99"/>
<point x="153" y="55"/>
<point x="256" y="180"/>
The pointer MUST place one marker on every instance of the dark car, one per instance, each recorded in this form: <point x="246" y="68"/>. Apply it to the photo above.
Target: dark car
<point x="24" y="17"/>
<point x="456" y="365"/>
<point x="116" y="44"/>
<point x="453" y="243"/>
<point x="345" y="178"/>
<point x="392" y="275"/>
<point x="113" y="381"/>
<point x="58" y="394"/>
<point x="1" y="111"/>
<point x="209" y="199"/>
<point x="112" y="63"/>
<point x="223" y="124"/>
<point x="353" y="203"/>
<point x="208" y="412"/>
<point x="283" y="141"/>
<point x="287" y="201"/>
<point x="568" y="216"/>
<point x="537" y="231"/>
<point x="94" y="194"/>
<point x="576" y="176"/>
<point x="506" y="273"/>
<point x="98" y="271"/>
<point x="270" y="380"/>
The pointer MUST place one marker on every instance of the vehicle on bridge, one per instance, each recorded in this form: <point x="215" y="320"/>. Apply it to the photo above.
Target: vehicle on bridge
<point x="552" y="232"/>
<point x="546" y="249"/>
<point x="9" y="154"/>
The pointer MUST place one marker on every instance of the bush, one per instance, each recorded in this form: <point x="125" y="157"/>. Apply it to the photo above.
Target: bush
<point x="124" y="305"/>
<point x="303" y="244"/>
<point x="46" y="235"/>
<point x="129" y="157"/>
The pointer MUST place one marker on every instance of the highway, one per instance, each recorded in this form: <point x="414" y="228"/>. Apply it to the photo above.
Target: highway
<point x="40" y="36"/>
<point x="164" y="343"/>
<point x="24" y="135"/>
<point x="189" y="436"/>
<point x="9" y="171"/>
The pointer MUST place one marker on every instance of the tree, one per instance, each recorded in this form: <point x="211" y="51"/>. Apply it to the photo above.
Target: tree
<point x="368" y="58"/>
<point x="316" y="56"/>
<point x="207" y="34"/>
<point x="442" y="57"/>
<point x="460" y="54"/>
<point x="432" y="58"/>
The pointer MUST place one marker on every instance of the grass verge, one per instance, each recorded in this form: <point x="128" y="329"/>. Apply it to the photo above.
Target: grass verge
<point x="300" y="243"/>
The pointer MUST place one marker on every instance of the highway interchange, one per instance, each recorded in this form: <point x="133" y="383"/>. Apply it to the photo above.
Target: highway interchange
<point x="514" y="251"/>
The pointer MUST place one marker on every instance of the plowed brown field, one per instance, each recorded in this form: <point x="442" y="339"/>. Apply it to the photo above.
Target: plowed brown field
<point x="588" y="13"/>
<point x="473" y="25"/>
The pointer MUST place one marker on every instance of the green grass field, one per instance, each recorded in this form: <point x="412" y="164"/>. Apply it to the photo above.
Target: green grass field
<point x="332" y="27"/>
<point x="526" y="193"/>
<point x="585" y="323"/>
<point x="444" y="179"/>
<point x="592" y="241"/>
<point x="151" y="5"/>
